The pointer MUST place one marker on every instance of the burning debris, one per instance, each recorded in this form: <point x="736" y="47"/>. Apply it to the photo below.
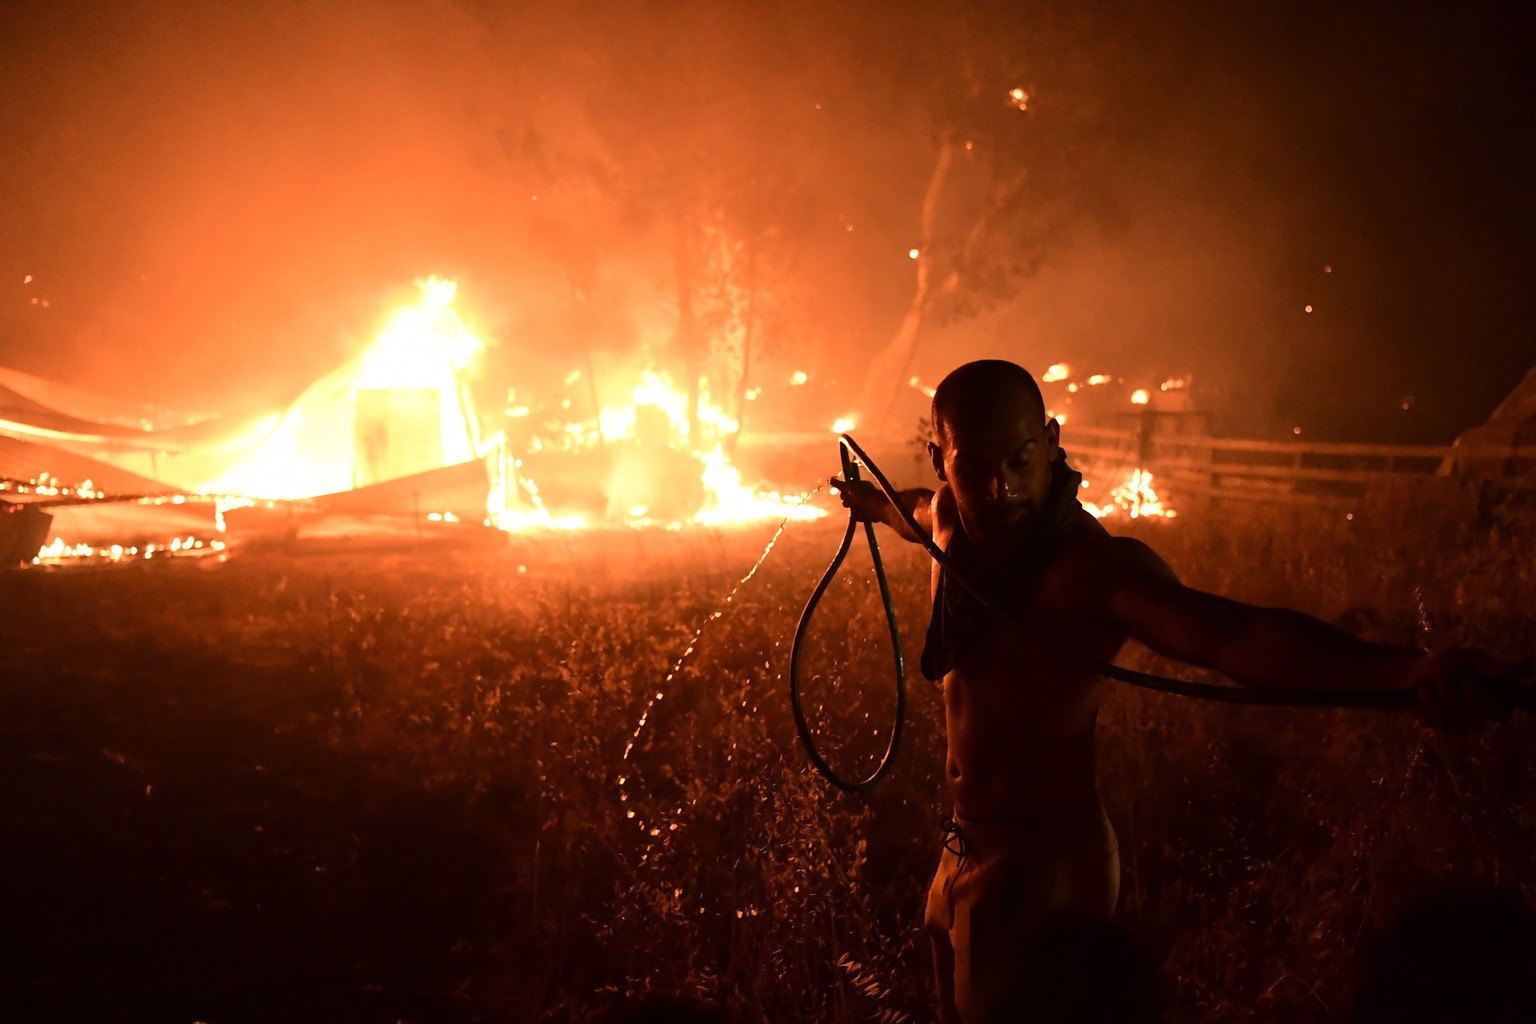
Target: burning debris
<point x="1135" y="498"/>
<point x="389" y="444"/>
<point x="1101" y="398"/>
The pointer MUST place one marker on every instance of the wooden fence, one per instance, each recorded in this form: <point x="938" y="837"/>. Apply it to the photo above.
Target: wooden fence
<point x="1191" y="467"/>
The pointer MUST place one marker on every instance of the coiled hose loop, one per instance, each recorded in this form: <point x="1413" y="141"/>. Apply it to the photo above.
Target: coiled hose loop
<point x="850" y="472"/>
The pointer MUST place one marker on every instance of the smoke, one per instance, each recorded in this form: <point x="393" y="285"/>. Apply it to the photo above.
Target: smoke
<point x="219" y="203"/>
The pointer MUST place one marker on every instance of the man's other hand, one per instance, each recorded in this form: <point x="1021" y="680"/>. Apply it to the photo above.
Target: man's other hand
<point x="1461" y="690"/>
<point x="866" y="501"/>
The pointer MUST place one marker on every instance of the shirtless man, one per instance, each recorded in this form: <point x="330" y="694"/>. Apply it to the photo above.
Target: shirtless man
<point x="1029" y="838"/>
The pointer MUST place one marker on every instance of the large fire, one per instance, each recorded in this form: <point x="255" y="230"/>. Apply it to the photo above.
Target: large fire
<point x="424" y="351"/>
<point x="426" y="357"/>
<point x="650" y="436"/>
<point x="403" y="409"/>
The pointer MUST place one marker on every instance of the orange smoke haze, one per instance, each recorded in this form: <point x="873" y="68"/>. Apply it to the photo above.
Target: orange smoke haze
<point x="209" y="206"/>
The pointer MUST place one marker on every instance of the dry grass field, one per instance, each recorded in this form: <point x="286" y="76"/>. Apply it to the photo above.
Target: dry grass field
<point x="392" y="785"/>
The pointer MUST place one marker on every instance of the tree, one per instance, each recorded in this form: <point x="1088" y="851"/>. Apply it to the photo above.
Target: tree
<point x="742" y="144"/>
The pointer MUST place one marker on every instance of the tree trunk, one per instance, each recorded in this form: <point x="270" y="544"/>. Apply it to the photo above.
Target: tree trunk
<point x="883" y="378"/>
<point x="687" y="324"/>
<point x="749" y="323"/>
<point x="887" y="373"/>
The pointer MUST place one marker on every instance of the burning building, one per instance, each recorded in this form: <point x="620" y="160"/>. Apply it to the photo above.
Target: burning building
<point x="387" y="441"/>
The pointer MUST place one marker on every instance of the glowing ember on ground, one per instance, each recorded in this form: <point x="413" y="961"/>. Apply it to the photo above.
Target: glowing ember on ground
<point x="59" y="551"/>
<point x="47" y="486"/>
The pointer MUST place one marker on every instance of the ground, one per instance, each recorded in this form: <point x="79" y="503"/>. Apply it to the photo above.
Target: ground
<point x="376" y="784"/>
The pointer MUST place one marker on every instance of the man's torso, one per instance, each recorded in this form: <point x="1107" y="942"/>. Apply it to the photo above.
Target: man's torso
<point x="1019" y="713"/>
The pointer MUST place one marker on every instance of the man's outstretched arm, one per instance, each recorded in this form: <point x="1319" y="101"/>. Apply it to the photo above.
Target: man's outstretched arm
<point x="1284" y="649"/>
<point x="869" y="504"/>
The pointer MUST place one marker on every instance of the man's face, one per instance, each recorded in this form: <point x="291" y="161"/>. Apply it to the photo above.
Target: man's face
<point x="998" y="463"/>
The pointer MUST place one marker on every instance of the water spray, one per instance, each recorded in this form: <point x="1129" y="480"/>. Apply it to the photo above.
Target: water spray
<point x="693" y="643"/>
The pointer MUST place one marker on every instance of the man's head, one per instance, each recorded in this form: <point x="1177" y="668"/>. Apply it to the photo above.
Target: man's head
<point x="993" y="446"/>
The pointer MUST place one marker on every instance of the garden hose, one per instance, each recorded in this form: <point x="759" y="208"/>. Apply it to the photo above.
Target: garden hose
<point x="850" y="472"/>
<point x="1398" y="698"/>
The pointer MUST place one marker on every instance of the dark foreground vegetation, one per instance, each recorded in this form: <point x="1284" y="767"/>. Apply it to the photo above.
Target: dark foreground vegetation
<point x="392" y="785"/>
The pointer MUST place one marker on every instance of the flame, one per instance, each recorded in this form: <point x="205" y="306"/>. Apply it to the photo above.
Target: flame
<point x="310" y="448"/>
<point x="1140" y="396"/>
<point x="656" y="390"/>
<point x="651" y="435"/>
<point x="843" y="424"/>
<point x="1135" y="498"/>
<point x="728" y="501"/>
<point x="59" y="551"/>
<point x="1055" y="372"/>
<point x="48" y="486"/>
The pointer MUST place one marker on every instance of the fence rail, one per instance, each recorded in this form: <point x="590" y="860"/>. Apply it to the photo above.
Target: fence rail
<point x="1331" y="475"/>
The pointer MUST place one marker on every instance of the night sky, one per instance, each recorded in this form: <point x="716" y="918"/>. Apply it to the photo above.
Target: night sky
<point x="215" y="203"/>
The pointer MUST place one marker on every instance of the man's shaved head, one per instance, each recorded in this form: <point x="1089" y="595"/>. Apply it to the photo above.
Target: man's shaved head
<point x="994" y="448"/>
<point x="982" y="388"/>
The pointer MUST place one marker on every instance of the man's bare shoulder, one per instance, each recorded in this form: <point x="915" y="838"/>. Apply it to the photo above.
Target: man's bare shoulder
<point x="946" y="515"/>
<point x="1132" y="557"/>
<point x="1097" y="566"/>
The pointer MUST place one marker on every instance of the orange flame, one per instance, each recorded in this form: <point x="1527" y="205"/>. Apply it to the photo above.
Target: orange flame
<point x="1135" y="498"/>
